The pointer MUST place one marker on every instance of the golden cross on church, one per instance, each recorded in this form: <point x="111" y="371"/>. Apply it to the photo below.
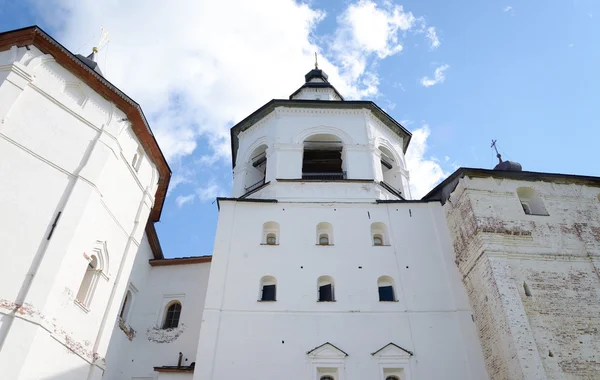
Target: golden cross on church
<point x="103" y="40"/>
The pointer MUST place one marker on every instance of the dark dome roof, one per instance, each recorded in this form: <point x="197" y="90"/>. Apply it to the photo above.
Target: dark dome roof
<point x="316" y="73"/>
<point x="510" y="166"/>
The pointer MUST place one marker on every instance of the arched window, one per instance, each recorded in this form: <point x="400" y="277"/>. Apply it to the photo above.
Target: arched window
<point x="270" y="233"/>
<point x="323" y="158"/>
<point x="531" y="202"/>
<point x="268" y="288"/>
<point x="88" y="284"/>
<point x="172" y="315"/>
<point x="379" y="234"/>
<point x="392" y="378"/>
<point x="325" y="285"/>
<point x="390" y="171"/>
<point x="256" y="169"/>
<point x="386" y="289"/>
<point x="324" y="234"/>
<point x="327" y="378"/>
<point x="124" y="314"/>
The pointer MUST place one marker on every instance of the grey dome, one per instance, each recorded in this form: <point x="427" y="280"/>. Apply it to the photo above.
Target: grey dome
<point x="509" y="166"/>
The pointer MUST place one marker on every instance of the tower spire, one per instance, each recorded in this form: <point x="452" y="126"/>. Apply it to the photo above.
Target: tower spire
<point x="316" y="62"/>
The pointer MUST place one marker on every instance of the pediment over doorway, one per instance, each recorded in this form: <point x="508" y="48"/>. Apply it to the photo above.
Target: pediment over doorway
<point x="326" y="351"/>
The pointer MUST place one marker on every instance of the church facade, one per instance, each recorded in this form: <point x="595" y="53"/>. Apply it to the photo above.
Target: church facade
<point x="324" y="267"/>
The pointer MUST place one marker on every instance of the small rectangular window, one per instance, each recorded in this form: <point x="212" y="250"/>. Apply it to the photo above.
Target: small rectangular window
<point x="268" y="293"/>
<point x="386" y="293"/>
<point x="326" y="293"/>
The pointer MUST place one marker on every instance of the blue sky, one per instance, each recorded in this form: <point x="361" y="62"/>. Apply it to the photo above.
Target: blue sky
<point x="522" y="72"/>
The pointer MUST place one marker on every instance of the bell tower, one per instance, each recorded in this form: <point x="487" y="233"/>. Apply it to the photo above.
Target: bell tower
<point x="322" y="263"/>
<point x="307" y="146"/>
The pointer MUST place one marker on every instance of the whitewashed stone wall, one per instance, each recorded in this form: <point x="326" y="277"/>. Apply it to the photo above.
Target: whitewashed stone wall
<point x="552" y="334"/>
<point x="63" y="148"/>
<point x="139" y="343"/>
<point x="284" y="131"/>
<point x="244" y="338"/>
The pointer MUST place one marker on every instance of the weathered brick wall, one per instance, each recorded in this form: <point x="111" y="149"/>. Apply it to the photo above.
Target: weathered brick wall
<point x="553" y="333"/>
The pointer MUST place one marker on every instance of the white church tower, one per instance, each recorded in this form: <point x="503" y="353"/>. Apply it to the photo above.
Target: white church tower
<point x="81" y="174"/>
<point x="323" y="267"/>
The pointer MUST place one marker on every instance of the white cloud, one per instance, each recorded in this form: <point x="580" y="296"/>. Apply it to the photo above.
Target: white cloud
<point x="181" y="175"/>
<point x="366" y="31"/>
<point x="425" y="172"/>
<point x="209" y="192"/>
<point x="434" y="41"/>
<point x="439" y="77"/>
<point x="198" y="67"/>
<point x="183" y="199"/>
<point x="508" y="8"/>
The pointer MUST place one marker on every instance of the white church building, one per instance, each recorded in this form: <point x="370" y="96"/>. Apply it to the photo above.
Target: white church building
<point x="323" y="268"/>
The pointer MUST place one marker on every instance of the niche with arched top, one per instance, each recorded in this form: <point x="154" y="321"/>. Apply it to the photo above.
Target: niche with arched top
<point x="531" y="202"/>
<point x="390" y="170"/>
<point x="256" y="169"/>
<point x="270" y="234"/>
<point x="323" y="158"/>
<point x="379" y="234"/>
<point x="386" y="288"/>
<point x="324" y="234"/>
<point x="88" y="284"/>
<point x="325" y="287"/>
<point x="126" y="306"/>
<point x="268" y="289"/>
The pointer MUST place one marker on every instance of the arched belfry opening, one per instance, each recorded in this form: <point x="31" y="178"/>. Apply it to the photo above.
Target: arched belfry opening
<point x="323" y="158"/>
<point x="256" y="169"/>
<point x="390" y="170"/>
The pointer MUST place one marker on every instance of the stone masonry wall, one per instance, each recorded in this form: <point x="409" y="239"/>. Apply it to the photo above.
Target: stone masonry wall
<point x="552" y="332"/>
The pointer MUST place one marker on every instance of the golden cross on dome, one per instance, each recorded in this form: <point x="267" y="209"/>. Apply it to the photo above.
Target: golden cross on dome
<point x="103" y="40"/>
<point x="496" y="149"/>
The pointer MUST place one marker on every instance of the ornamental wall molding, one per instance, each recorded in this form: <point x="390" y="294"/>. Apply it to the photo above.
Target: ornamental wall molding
<point x="323" y="129"/>
<point x="292" y="111"/>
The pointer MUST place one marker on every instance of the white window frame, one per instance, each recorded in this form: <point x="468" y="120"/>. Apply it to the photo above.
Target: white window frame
<point x="393" y="361"/>
<point x="327" y="360"/>
<point x="133" y="290"/>
<point x="271" y="229"/>
<point x="166" y="301"/>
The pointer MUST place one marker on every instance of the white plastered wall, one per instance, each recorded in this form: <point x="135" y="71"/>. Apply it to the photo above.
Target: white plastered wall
<point x="284" y="131"/>
<point x="136" y="355"/>
<point x="241" y="337"/>
<point x="63" y="148"/>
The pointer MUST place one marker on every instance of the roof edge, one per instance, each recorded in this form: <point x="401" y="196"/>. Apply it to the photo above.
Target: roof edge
<point x="36" y="36"/>
<point x="180" y="261"/>
<point x="438" y="193"/>
<point x="270" y="106"/>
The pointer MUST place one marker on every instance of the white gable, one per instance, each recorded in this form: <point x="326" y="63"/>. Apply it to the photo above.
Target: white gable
<point x="392" y="352"/>
<point x="326" y="351"/>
